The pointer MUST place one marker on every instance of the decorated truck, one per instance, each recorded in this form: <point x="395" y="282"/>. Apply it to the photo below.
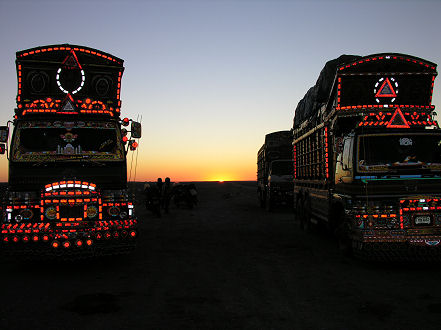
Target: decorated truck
<point x="367" y="156"/>
<point x="67" y="191"/>
<point x="275" y="170"/>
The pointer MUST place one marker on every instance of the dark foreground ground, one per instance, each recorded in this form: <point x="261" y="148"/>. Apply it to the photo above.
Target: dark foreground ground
<point x="226" y="264"/>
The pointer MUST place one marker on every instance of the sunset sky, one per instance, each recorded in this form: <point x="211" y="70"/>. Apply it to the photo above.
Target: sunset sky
<point x="210" y="78"/>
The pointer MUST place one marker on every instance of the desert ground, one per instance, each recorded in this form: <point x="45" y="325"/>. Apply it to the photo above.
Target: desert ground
<point x="226" y="264"/>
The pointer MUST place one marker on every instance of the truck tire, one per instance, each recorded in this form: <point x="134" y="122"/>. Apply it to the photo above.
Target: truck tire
<point x="261" y="198"/>
<point x="306" y="216"/>
<point x="268" y="202"/>
<point x="297" y="210"/>
<point x="342" y="232"/>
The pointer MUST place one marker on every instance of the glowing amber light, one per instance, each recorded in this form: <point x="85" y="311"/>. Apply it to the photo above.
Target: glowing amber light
<point x="51" y="212"/>
<point x="89" y="242"/>
<point x="91" y="211"/>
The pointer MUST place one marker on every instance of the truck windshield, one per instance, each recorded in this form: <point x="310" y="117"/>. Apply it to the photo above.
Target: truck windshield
<point x="282" y="168"/>
<point x="382" y="153"/>
<point x="39" y="141"/>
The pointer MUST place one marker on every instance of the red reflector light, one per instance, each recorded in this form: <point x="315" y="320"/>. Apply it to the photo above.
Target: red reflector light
<point x="79" y="243"/>
<point x="66" y="244"/>
<point x="99" y="236"/>
<point x="25" y="238"/>
<point x="15" y="239"/>
<point x="35" y="238"/>
<point x="107" y="235"/>
<point x="116" y="234"/>
<point x="6" y="239"/>
<point x="55" y="244"/>
<point x="133" y="233"/>
<point x="45" y="238"/>
<point x="89" y="242"/>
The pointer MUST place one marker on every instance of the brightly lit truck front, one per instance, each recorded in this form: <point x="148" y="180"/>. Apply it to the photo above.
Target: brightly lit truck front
<point x="67" y="190"/>
<point x="395" y="178"/>
<point x="367" y="162"/>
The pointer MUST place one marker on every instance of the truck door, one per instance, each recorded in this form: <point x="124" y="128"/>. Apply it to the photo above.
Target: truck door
<point x="344" y="167"/>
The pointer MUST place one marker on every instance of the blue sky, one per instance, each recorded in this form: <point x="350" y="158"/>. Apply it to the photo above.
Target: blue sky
<point x="211" y="78"/>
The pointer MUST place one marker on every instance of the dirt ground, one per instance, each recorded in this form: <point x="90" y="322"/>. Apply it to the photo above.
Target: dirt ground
<point x="227" y="264"/>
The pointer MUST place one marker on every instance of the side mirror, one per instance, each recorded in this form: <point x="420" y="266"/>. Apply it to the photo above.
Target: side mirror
<point x="2" y="148"/>
<point x="4" y="133"/>
<point x="135" y="130"/>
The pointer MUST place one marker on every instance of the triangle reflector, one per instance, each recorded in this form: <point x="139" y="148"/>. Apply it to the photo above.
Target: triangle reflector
<point x="386" y="90"/>
<point x="398" y="120"/>
<point x="71" y="61"/>
<point x="68" y="106"/>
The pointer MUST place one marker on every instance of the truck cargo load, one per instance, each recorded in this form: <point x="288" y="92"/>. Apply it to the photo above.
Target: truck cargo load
<point x="317" y="96"/>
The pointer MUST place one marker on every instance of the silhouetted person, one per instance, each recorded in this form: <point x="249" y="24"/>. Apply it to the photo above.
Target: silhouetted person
<point x="153" y="199"/>
<point x="159" y="184"/>
<point x="166" y="194"/>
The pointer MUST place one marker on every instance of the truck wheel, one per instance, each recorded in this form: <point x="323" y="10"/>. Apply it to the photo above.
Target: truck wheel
<point x="268" y="203"/>
<point x="343" y="235"/>
<point x="261" y="199"/>
<point x="306" y="217"/>
<point x="298" y="212"/>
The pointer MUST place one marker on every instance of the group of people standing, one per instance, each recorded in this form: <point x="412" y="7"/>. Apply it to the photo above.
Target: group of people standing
<point x="158" y="196"/>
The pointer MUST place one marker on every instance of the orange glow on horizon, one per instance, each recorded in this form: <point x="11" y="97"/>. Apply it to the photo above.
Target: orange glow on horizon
<point x="182" y="165"/>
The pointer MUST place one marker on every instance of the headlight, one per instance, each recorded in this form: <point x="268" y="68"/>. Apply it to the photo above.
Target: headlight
<point x="113" y="211"/>
<point x="27" y="214"/>
<point x="91" y="211"/>
<point x="51" y="212"/>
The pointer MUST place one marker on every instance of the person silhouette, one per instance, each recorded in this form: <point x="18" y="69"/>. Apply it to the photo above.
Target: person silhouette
<point x="167" y="190"/>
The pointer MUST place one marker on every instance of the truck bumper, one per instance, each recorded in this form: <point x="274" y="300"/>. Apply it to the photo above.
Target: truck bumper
<point x="397" y="245"/>
<point x="119" y="238"/>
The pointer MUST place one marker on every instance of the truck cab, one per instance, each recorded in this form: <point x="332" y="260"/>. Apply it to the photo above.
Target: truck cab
<point x="52" y="150"/>
<point x="67" y="189"/>
<point x="390" y="181"/>
<point x="280" y="182"/>
<point x="275" y="170"/>
<point x="367" y="162"/>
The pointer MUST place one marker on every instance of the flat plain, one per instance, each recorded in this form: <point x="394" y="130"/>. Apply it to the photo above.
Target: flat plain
<point x="225" y="264"/>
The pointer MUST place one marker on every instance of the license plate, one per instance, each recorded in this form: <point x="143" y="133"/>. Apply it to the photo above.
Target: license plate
<point x="423" y="220"/>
